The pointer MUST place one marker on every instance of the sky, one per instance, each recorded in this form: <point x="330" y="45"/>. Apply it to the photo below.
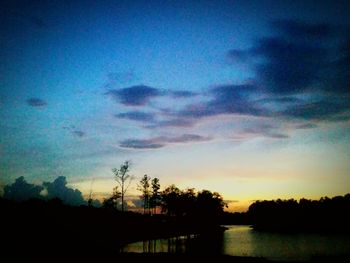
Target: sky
<point x="247" y="98"/>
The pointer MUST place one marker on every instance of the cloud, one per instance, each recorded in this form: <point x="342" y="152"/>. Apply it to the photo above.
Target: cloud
<point x="134" y="96"/>
<point x="59" y="189"/>
<point x="185" y="138"/>
<point x="74" y="131"/>
<point x="222" y="99"/>
<point x="296" y="58"/>
<point x="326" y="109"/>
<point x="182" y="94"/>
<point x="303" y="31"/>
<point x="140" y="95"/>
<point x="141" y="144"/>
<point x="136" y="116"/>
<point x="172" y="122"/>
<point x="20" y="190"/>
<point x="306" y="126"/>
<point x="301" y="60"/>
<point x="265" y="130"/>
<point x="161" y="141"/>
<point x="226" y="99"/>
<point x="36" y="102"/>
<point x="289" y="67"/>
<point x="78" y="133"/>
<point x="280" y="100"/>
<point x="301" y="75"/>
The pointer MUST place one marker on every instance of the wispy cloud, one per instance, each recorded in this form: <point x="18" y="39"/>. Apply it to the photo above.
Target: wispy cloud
<point x="36" y="102"/>
<point x="265" y="130"/>
<point x="136" y="116"/>
<point x="161" y="141"/>
<point x="134" y="96"/>
<point x="306" y="126"/>
<point x="78" y="133"/>
<point x="182" y="94"/>
<point x="141" y="95"/>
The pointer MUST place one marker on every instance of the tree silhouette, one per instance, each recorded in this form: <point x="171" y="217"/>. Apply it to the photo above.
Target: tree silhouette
<point x="210" y="205"/>
<point x="190" y="204"/>
<point x="170" y="200"/>
<point x="123" y="179"/>
<point x="144" y="188"/>
<point x="112" y="202"/>
<point x="155" y="195"/>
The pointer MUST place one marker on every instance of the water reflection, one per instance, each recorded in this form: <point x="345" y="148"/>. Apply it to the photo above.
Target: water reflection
<point x="179" y="244"/>
<point x="243" y="241"/>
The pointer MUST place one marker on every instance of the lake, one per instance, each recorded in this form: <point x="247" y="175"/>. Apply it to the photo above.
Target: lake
<point x="244" y="241"/>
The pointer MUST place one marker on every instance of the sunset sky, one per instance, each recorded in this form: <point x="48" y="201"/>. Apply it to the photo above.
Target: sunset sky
<point x="247" y="98"/>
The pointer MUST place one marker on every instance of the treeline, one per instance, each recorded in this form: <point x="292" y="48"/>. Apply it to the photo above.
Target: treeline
<point x="185" y="204"/>
<point x="106" y="228"/>
<point x="326" y="214"/>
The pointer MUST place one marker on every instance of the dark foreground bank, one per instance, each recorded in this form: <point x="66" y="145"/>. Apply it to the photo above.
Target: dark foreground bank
<point x="164" y="257"/>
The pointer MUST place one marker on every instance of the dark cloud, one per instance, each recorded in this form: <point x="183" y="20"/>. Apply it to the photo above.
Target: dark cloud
<point x="20" y="190"/>
<point x="327" y="109"/>
<point x="59" y="189"/>
<point x="300" y="59"/>
<point x="302" y="72"/>
<point x="336" y="76"/>
<point x="141" y="144"/>
<point x="136" y="116"/>
<point x="281" y="100"/>
<point x="78" y="133"/>
<point x="185" y="138"/>
<point x="134" y="96"/>
<point x="182" y="94"/>
<point x="176" y="122"/>
<point x="36" y="102"/>
<point x="226" y="99"/>
<point x="303" y="31"/>
<point x="140" y="95"/>
<point x="158" y="142"/>
<point x="289" y="67"/>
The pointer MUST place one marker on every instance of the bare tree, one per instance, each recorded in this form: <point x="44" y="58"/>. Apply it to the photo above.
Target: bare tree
<point x="144" y="188"/>
<point x="90" y="200"/>
<point x="155" y="195"/>
<point x="123" y="179"/>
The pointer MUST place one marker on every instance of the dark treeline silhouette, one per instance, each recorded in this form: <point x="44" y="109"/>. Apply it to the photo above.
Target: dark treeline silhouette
<point x="324" y="215"/>
<point x="53" y="216"/>
<point x="190" y="204"/>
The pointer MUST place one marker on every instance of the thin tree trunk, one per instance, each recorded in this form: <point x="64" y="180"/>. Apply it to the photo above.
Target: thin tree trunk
<point x="122" y="196"/>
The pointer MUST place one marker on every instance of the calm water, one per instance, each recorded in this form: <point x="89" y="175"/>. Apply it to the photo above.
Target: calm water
<point x="243" y="241"/>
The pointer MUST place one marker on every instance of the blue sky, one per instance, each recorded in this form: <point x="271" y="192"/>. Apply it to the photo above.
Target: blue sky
<point x="248" y="98"/>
